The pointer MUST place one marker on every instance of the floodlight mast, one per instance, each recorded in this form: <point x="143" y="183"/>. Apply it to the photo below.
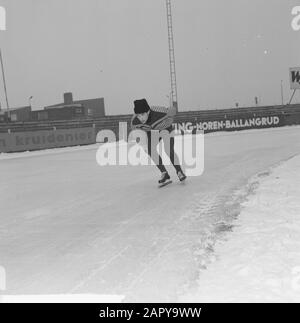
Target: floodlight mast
<point x="172" y="56"/>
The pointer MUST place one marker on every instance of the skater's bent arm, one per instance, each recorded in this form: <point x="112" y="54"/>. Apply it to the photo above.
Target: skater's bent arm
<point x="166" y="121"/>
<point x="135" y="124"/>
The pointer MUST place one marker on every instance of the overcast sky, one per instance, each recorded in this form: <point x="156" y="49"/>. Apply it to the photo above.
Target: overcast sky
<point x="226" y="51"/>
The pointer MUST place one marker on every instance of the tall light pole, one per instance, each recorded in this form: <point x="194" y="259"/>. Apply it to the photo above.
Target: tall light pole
<point x="4" y="82"/>
<point x="172" y="56"/>
<point x="281" y="92"/>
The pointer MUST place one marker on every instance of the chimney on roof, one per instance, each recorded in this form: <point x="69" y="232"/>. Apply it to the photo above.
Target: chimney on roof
<point x="68" y="98"/>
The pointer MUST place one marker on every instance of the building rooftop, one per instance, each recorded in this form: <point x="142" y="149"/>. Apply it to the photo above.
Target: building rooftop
<point x="5" y="110"/>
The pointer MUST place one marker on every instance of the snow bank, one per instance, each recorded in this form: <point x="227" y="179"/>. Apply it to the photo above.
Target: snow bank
<point x="260" y="261"/>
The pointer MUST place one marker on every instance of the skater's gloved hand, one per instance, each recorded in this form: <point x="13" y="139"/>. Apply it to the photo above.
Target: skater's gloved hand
<point x="144" y="127"/>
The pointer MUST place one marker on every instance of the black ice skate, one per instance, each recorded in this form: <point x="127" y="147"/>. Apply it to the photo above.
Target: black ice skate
<point x="165" y="179"/>
<point x="181" y="176"/>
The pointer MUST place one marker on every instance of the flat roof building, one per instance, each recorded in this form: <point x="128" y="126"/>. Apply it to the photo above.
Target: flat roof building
<point x="16" y="114"/>
<point x="93" y="108"/>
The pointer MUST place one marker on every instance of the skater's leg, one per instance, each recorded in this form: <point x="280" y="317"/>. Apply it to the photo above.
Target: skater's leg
<point x="154" y="155"/>
<point x="172" y="154"/>
<point x="175" y="160"/>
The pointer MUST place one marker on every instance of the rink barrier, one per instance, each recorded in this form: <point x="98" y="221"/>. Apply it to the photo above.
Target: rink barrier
<point x="46" y="139"/>
<point x="185" y="122"/>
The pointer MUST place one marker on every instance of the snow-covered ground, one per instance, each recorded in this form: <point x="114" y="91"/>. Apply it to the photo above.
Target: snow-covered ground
<point x="259" y="261"/>
<point x="69" y="226"/>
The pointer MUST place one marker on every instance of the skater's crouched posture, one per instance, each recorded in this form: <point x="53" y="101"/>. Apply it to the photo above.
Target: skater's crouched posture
<point x="157" y="119"/>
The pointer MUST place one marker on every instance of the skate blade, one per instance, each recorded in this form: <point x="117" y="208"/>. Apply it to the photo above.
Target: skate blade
<point x="165" y="184"/>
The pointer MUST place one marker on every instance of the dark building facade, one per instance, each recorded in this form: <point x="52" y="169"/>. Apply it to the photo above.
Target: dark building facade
<point x="93" y="108"/>
<point x="16" y="114"/>
<point x="68" y="110"/>
<point x="65" y="112"/>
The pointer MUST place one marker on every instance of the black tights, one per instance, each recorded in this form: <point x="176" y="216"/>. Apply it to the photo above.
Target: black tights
<point x="154" y="155"/>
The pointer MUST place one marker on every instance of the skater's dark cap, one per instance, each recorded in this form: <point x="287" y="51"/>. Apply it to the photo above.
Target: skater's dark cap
<point x="141" y="106"/>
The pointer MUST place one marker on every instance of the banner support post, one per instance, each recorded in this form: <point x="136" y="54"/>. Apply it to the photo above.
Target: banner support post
<point x="292" y="96"/>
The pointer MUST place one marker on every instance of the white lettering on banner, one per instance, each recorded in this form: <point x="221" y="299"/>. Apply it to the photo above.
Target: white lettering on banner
<point x="188" y="127"/>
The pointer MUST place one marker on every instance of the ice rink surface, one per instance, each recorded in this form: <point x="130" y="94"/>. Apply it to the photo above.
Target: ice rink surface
<point x="69" y="226"/>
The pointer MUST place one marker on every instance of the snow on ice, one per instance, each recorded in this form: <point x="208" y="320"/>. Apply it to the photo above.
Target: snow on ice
<point x="260" y="259"/>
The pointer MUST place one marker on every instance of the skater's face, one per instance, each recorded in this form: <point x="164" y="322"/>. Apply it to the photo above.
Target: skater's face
<point x="143" y="117"/>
